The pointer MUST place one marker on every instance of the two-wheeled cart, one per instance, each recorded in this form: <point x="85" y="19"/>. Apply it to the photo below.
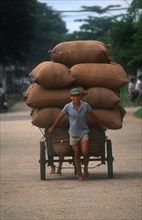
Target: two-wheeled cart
<point x="100" y="149"/>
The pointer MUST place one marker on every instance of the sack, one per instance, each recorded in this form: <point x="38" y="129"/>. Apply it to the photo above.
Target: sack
<point x="53" y="75"/>
<point x="99" y="97"/>
<point x="99" y="75"/>
<point x="40" y="97"/>
<point x="25" y="94"/>
<point x="83" y="51"/>
<point x="121" y="110"/>
<point x="110" y="117"/>
<point x="96" y="141"/>
<point x="44" y="118"/>
<point x="34" y="72"/>
<point x="60" y="142"/>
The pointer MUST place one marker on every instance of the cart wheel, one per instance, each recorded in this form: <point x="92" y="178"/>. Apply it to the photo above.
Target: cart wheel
<point x="42" y="161"/>
<point x="109" y="159"/>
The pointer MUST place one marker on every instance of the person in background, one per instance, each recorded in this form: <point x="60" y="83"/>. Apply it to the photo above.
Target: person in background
<point x="131" y="86"/>
<point x="78" y="129"/>
<point x="3" y="102"/>
<point x="138" y="87"/>
<point x="131" y="90"/>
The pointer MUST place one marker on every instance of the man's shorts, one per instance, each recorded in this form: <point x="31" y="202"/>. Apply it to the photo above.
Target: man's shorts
<point x="76" y="139"/>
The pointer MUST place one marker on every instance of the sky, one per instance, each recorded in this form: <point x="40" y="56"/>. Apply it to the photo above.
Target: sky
<point x="74" y="5"/>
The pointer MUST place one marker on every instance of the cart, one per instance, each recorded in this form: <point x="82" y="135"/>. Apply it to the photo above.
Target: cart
<point x="100" y="149"/>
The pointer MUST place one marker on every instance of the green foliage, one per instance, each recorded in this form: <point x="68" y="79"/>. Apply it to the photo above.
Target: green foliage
<point x="28" y="30"/>
<point x="126" y="38"/>
<point x="94" y="27"/>
<point x="135" y="6"/>
<point x="49" y="30"/>
<point x="17" y="23"/>
<point x="138" y="113"/>
<point x="122" y="32"/>
<point x="121" y="38"/>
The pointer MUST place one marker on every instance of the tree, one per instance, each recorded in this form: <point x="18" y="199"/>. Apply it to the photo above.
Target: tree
<point x="122" y="32"/>
<point x="126" y="38"/>
<point x="96" y="26"/>
<point x="17" y="21"/>
<point x="49" y="30"/>
<point x="28" y="30"/>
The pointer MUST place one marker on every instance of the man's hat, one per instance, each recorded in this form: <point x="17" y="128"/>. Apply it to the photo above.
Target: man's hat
<point x="75" y="91"/>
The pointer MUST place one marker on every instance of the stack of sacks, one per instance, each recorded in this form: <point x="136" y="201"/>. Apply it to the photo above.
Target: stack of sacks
<point x="47" y="96"/>
<point x="90" y="66"/>
<point x="49" y="92"/>
<point x="83" y="64"/>
<point x="102" y="82"/>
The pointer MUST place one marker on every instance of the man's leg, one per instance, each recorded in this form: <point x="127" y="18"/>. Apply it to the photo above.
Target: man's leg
<point x="52" y="171"/>
<point x="77" y="161"/>
<point x="61" y="158"/>
<point x="85" y="153"/>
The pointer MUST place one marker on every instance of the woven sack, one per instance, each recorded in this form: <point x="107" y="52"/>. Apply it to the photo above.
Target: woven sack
<point x="53" y="75"/>
<point x="25" y="94"/>
<point x="96" y="141"/>
<point x="44" y="118"/>
<point x="99" y="97"/>
<point x="121" y="110"/>
<point x="99" y="75"/>
<point x="110" y="117"/>
<point x="60" y="142"/>
<point x="73" y="52"/>
<point x="40" y="97"/>
<point x="34" y="72"/>
<point x="118" y="65"/>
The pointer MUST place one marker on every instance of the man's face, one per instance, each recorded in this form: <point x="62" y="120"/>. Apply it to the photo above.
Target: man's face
<point x="75" y="98"/>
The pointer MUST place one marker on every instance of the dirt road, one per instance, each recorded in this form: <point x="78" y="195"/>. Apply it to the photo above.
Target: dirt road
<point x="25" y="197"/>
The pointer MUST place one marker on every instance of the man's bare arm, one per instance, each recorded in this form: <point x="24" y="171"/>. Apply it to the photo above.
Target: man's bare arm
<point x="56" y="122"/>
<point x="96" y="120"/>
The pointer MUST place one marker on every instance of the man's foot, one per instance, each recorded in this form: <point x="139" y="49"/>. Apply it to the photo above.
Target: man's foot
<point x="80" y="178"/>
<point x="52" y="171"/>
<point x="59" y="171"/>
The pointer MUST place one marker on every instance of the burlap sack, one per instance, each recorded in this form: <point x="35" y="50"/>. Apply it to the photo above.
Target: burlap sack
<point x="117" y="64"/>
<point x="60" y="142"/>
<point x="45" y="117"/>
<point x="99" y="97"/>
<point x="97" y="141"/>
<point x="53" y="75"/>
<point x="99" y="75"/>
<point x="25" y="94"/>
<point x="34" y="72"/>
<point x="110" y="117"/>
<point x="122" y="111"/>
<point x="39" y="97"/>
<point x="73" y="52"/>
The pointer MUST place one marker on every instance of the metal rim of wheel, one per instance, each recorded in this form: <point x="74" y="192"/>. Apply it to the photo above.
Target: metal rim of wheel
<point x="109" y="159"/>
<point x="42" y="161"/>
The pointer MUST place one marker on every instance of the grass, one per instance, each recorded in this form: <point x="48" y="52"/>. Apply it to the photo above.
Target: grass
<point x="138" y="113"/>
